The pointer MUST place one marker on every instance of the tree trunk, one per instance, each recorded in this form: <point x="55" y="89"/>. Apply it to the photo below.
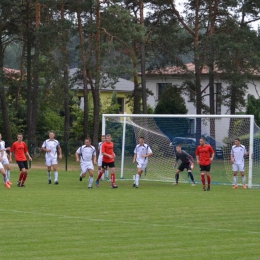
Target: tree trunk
<point x="136" y="93"/>
<point x="84" y="73"/>
<point x="4" y="105"/>
<point x="29" y="76"/>
<point x="35" y="77"/>
<point x="144" y="100"/>
<point x="65" y="81"/>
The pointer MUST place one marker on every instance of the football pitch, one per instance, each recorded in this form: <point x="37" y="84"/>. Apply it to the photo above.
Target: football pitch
<point x="156" y="221"/>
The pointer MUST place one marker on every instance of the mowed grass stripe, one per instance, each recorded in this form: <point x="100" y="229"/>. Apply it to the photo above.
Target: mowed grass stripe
<point x="156" y="221"/>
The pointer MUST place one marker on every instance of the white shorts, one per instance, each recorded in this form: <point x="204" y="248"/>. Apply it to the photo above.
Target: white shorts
<point x="51" y="161"/>
<point x="1" y="166"/>
<point x="100" y="161"/>
<point x="142" y="166"/>
<point x="86" y="166"/>
<point x="5" y="161"/>
<point x="238" y="167"/>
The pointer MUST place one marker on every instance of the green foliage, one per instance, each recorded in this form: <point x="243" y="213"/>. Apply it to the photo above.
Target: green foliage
<point x="171" y="102"/>
<point x="253" y="108"/>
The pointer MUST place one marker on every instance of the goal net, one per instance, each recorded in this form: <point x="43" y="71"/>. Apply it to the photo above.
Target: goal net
<point x="164" y="132"/>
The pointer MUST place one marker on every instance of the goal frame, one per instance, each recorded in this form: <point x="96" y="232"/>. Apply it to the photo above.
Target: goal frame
<point x="124" y="116"/>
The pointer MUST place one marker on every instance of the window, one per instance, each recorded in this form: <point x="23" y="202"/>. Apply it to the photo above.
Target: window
<point x="161" y="87"/>
<point x="218" y="98"/>
<point x="192" y="127"/>
<point x="192" y="95"/>
<point x="121" y="103"/>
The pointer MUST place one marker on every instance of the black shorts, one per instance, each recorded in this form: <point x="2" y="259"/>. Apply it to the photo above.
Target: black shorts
<point x="22" y="164"/>
<point x="110" y="165"/>
<point x="205" y="168"/>
<point x="184" y="166"/>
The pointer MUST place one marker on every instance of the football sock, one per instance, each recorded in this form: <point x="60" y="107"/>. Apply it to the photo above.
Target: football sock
<point x="8" y="174"/>
<point x="235" y="180"/>
<point x="106" y="173"/>
<point x="113" y="178"/>
<point x="56" y="175"/>
<point x="49" y="175"/>
<point x="177" y="178"/>
<point x="4" y="178"/>
<point x="21" y="176"/>
<point x="203" y="179"/>
<point x="244" y="180"/>
<point x="99" y="175"/>
<point x="209" y="179"/>
<point x="191" y="177"/>
<point x="24" y="178"/>
<point x="90" y="181"/>
<point x="137" y="178"/>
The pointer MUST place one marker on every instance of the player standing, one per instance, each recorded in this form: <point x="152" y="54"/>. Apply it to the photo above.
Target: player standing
<point x="186" y="163"/>
<point x="100" y="157"/>
<point x="205" y="155"/>
<point x="238" y="152"/>
<point x="108" y="161"/>
<point x="51" y="146"/>
<point x="19" y="148"/>
<point x="87" y="153"/>
<point x="141" y="153"/>
<point x="5" y="160"/>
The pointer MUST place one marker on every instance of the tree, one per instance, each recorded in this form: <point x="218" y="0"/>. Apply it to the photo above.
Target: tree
<point x="252" y="108"/>
<point x="171" y="102"/>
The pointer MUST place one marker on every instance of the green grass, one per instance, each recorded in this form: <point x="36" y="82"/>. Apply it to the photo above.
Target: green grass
<point x="156" y="221"/>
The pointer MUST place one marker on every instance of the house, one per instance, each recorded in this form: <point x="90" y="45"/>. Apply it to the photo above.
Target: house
<point x="157" y="80"/>
<point x="122" y="87"/>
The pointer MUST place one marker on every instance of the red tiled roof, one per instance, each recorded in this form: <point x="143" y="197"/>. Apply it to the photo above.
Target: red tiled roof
<point x="11" y="72"/>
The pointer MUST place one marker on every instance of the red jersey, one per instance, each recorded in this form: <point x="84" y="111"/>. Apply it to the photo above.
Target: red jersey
<point x="20" y="149"/>
<point x="109" y="149"/>
<point x="204" y="152"/>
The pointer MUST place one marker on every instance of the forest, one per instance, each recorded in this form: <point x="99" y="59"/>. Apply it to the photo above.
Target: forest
<point x="42" y="40"/>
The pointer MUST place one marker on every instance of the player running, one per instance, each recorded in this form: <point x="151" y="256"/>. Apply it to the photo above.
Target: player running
<point x="141" y="153"/>
<point x="2" y="170"/>
<point x="205" y="155"/>
<point x="100" y="157"/>
<point x="5" y="160"/>
<point x="20" y="150"/>
<point x="85" y="154"/>
<point x="51" y="146"/>
<point x="108" y="161"/>
<point x="238" y="152"/>
<point x="186" y="163"/>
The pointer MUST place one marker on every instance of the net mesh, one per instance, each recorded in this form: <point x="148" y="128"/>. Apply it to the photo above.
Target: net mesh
<point x="164" y="133"/>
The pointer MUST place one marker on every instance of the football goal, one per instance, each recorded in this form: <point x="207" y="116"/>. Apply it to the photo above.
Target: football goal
<point x="164" y="132"/>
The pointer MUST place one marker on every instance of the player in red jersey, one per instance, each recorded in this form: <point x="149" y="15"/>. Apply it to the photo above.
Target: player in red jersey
<point x="205" y="155"/>
<point x="108" y="161"/>
<point x="19" y="148"/>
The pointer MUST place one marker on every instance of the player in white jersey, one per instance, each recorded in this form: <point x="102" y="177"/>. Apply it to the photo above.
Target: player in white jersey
<point x="238" y="152"/>
<point x="2" y="170"/>
<point x="141" y="153"/>
<point x="5" y="160"/>
<point x="100" y="158"/>
<point x="86" y="155"/>
<point x="51" y="146"/>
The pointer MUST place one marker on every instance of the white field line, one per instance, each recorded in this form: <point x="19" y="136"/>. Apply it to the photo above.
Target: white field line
<point x="126" y="222"/>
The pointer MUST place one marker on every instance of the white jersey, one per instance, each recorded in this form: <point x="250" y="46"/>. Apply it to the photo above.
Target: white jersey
<point x="141" y="150"/>
<point x="53" y="146"/>
<point x="86" y="153"/>
<point x="2" y="147"/>
<point x="238" y="152"/>
<point x="100" y="156"/>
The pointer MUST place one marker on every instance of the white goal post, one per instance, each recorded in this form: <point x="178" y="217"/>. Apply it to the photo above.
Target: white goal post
<point x="161" y="132"/>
